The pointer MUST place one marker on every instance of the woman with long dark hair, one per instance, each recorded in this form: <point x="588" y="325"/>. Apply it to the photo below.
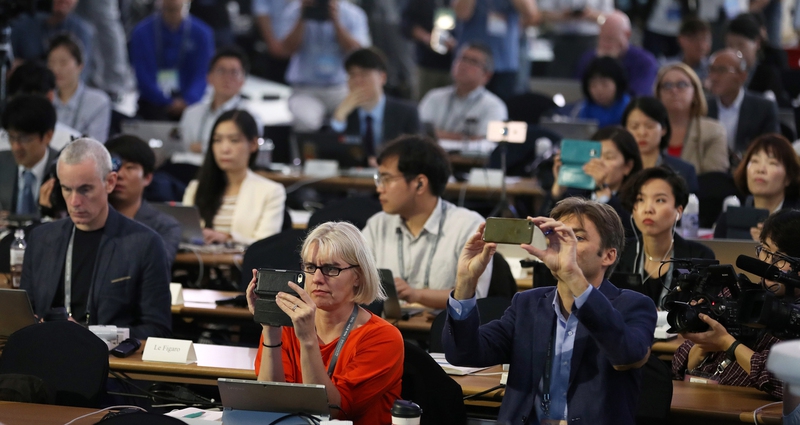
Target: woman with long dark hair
<point x="235" y="203"/>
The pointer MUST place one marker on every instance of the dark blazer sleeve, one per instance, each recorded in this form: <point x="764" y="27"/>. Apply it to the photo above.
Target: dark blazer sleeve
<point x="8" y="181"/>
<point x="469" y="344"/>
<point x="400" y="117"/>
<point x="154" y="296"/>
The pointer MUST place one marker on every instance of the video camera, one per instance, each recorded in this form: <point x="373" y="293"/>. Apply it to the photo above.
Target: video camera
<point x="744" y="309"/>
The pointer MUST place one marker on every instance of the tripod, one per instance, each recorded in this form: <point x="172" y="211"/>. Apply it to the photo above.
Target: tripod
<point x="503" y="207"/>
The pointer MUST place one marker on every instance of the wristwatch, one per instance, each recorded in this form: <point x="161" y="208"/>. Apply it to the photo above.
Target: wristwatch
<point x="730" y="353"/>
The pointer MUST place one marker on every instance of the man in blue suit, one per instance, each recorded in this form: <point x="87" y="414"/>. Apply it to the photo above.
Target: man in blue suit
<point x="575" y="349"/>
<point x="97" y="266"/>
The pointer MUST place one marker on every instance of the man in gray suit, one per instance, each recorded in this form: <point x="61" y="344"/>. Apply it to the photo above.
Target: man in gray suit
<point x="97" y="267"/>
<point x="26" y="170"/>
<point x="367" y="111"/>
<point x="727" y="76"/>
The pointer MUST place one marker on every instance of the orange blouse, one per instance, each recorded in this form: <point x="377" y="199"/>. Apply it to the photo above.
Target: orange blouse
<point x="368" y="373"/>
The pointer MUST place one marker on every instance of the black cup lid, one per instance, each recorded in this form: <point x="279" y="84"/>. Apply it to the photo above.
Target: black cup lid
<point x="406" y="409"/>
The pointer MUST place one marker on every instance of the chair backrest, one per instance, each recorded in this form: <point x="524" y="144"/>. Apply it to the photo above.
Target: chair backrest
<point x="426" y="384"/>
<point x="69" y="358"/>
<point x="356" y="210"/>
<point x="529" y="107"/>
<point x="281" y="251"/>
<point x="714" y="188"/>
<point x="655" y="397"/>
<point x="489" y="308"/>
<point x="502" y="283"/>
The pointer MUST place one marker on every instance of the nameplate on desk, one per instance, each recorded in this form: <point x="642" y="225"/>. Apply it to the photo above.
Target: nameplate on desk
<point x="176" y="293"/>
<point x="485" y="177"/>
<point x="321" y="168"/>
<point x="169" y="351"/>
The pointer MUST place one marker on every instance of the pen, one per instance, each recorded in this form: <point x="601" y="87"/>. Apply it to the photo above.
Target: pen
<point x="194" y="415"/>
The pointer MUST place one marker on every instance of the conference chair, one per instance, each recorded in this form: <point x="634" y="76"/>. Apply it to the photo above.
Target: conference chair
<point x="502" y="282"/>
<point x="489" y="308"/>
<point x="69" y="358"/>
<point x="529" y="107"/>
<point x="714" y="188"/>
<point x="426" y="384"/>
<point x="655" y="397"/>
<point x="281" y="251"/>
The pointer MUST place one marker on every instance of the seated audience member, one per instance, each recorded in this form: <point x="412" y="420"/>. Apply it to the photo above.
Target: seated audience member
<point x="136" y="164"/>
<point x="498" y="25"/>
<point x="363" y="379"/>
<point x="85" y="109"/>
<point x="429" y="231"/>
<point x="170" y="52"/>
<point x="31" y="34"/>
<point x="367" y="111"/>
<point x="765" y="63"/>
<point x="32" y="77"/>
<point x="318" y="49"/>
<point x="598" y="336"/>
<point x="694" y="39"/>
<point x="657" y="196"/>
<point x="120" y="272"/>
<point x="730" y="101"/>
<point x="742" y="362"/>
<point x="648" y="121"/>
<point x="619" y="161"/>
<point x="26" y="170"/>
<point x="614" y="41"/>
<point x="698" y="140"/>
<point x="769" y="177"/>
<point x="464" y="109"/>
<point x="226" y="74"/>
<point x="235" y="203"/>
<point x="605" y="87"/>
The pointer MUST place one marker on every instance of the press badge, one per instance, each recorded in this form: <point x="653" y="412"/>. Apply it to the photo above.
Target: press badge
<point x="167" y="80"/>
<point x="496" y="24"/>
<point x="696" y="379"/>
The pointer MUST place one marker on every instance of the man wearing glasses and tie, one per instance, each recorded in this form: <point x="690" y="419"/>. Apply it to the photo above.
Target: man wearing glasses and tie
<point x="29" y="121"/>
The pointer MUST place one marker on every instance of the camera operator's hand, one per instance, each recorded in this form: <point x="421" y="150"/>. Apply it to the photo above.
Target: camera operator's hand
<point x="713" y="340"/>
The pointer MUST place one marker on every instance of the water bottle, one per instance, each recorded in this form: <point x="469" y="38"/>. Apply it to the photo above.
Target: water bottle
<point x="691" y="220"/>
<point x="17" y="254"/>
<point x="406" y="413"/>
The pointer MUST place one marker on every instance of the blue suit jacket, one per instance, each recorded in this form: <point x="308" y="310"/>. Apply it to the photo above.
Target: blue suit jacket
<point x="130" y="282"/>
<point x="615" y="327"/>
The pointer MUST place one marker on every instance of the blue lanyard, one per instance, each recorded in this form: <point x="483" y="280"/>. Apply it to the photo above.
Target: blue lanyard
<point x="345" y="333"/>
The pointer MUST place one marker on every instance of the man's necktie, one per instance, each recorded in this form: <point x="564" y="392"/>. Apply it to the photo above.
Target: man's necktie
<point x="26" y="204"/>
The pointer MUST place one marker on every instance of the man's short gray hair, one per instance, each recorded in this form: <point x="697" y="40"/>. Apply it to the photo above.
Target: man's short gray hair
<point x="85" y="148"/>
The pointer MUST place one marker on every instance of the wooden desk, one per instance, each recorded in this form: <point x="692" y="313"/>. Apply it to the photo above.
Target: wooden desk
<point x="209" y="258"/>
<point x="45" y="414"/>
<point x="213" y="361"/>
<point x="525" y="187"/>
<point x="691" y="403"/>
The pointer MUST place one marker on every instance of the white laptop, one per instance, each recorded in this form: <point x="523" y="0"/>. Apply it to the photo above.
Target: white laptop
<point x="244" y="400"/>
<point x="164" y="137"/>
<point x="189" y="219"/>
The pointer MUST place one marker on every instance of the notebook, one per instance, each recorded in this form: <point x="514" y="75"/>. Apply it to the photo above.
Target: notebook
<point x="17" y="311"/>
<point x="344" y="149"/>
<point x="189" y="219"/>
<point x="274" y="397"/>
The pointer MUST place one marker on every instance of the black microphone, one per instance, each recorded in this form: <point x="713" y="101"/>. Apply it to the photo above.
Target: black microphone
<point x="767" y="271"/>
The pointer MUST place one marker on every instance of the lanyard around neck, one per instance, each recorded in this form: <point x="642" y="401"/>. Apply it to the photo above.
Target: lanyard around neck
<point x="548" y="371"/>
<point x="187" y="24"/>
<point x="345" y="333"/>
<point x="401" y="259"/>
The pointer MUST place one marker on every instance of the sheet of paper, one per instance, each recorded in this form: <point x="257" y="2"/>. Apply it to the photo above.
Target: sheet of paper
<point x="454" y="370"/>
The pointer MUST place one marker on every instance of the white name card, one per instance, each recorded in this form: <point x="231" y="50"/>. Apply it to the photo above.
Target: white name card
<point x="169" y="351"/>
<point x="176" y="291"/>
<point x="321" y="168"/>
<point x="486" y="177"/>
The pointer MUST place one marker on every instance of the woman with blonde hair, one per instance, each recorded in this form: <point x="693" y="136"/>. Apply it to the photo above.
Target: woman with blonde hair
<point x="695" y="138"/>
<point x="334" y="342"/>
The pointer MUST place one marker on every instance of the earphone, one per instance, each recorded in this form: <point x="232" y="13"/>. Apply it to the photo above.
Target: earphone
<point x="678" y="216"/>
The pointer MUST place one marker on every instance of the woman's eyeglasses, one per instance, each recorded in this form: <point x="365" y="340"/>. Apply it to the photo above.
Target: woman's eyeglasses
<point x="330" y="271"/>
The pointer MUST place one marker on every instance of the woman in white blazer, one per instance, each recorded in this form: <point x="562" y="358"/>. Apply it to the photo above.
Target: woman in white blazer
<point x="235" y="203"/>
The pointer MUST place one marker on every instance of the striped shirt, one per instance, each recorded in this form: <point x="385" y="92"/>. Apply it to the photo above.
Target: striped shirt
<point x="224" y="218"/>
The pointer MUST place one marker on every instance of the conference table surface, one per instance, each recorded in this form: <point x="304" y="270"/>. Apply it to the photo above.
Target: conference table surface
<point x="12" y="413"/>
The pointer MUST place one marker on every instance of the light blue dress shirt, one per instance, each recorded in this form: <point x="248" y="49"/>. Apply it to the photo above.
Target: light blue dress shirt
<point x="505" y="46"/>
<point x="319" y="61"/>
<point x="562" y="359"/>
<point x="377" y="122"/>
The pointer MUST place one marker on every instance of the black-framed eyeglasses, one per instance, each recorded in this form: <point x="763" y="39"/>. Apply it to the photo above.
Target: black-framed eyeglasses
<point x="330" y="271"/>
<point x="776" y="259"/>
<point x="680" y="85"/>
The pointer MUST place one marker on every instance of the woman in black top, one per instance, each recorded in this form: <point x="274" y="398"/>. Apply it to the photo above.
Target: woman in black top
<point x="657" y="196"/>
